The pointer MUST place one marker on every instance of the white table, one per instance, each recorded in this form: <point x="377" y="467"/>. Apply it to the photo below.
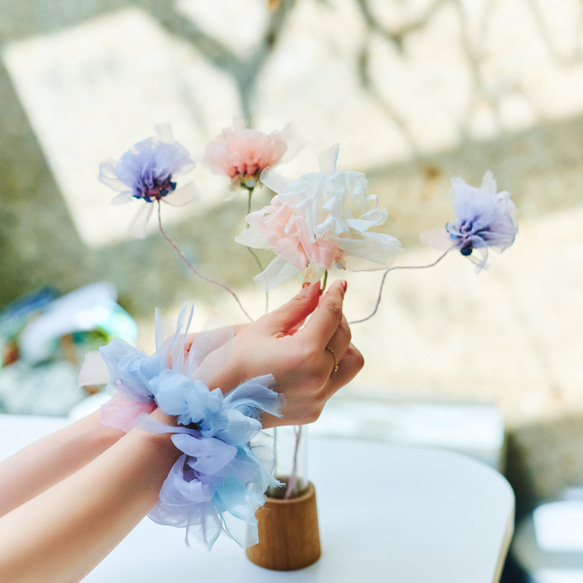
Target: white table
<point x="387" y="513"/>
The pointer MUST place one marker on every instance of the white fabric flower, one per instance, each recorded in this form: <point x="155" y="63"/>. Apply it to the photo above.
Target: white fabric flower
<point x="320" y="220"/>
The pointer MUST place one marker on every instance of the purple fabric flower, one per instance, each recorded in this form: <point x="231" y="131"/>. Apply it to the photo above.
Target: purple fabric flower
<point x="147" y="172"/>
<point x="484" y="218"/>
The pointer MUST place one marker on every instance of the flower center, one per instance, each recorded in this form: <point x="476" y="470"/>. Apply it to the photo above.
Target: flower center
<point x="156" y="190"/>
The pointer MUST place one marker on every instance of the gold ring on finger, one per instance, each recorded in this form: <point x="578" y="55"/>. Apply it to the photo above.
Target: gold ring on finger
<point x="335" y="360"/>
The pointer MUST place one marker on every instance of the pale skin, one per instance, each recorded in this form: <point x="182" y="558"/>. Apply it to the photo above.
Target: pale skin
<point x="67" y="500"/>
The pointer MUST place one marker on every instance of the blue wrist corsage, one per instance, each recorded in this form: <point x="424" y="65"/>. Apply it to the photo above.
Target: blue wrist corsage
<point x="218" y="483"/>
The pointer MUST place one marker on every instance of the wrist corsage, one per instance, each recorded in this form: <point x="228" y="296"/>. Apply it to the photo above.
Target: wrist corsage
<point x="218" y="483"/>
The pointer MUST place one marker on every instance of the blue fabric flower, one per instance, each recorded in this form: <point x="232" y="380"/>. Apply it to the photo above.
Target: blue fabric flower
<point x="131" y="372"/>
<point x="212" y="487"/>
<point x="484" y="219"/>
<point x="147" y="172"/>
<point x="219" y="481"/>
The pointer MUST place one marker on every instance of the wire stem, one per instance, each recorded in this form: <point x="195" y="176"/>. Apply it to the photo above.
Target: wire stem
<point x="293" y="478"/>
<point x="197" y="273"/>
<point x="325" y="281"/>
<point x="385" y="277"/>
<point x="254" y="255"/>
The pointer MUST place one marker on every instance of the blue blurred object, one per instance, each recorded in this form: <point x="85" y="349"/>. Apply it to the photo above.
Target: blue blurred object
<point x="43" y="340"/>
<point x="90" y="308"/>
<point x="15" y="316"/>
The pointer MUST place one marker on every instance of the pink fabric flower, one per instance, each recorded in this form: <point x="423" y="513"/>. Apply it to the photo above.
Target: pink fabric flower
<point x="320" y="220"/>
<point x="242" y="154"/>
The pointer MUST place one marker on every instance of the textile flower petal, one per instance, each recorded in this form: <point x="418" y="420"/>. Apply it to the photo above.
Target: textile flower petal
<point x="484" y="219"/>
<point x="148" y="172"/>
<point x="320" y="220"/>
<point x="219" y="481"/>
<point x="243" y="153"/>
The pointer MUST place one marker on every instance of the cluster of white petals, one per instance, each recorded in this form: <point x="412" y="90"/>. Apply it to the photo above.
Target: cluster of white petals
<point x="320" y="220"/>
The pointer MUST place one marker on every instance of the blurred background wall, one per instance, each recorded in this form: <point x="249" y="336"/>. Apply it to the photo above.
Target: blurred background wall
<point x="415" y="92"/>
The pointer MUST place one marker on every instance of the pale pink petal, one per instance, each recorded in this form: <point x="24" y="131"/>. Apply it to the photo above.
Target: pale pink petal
<point x="244" y="153"/>
<point x="291" y="250"/>
<point x="123" y="413"/>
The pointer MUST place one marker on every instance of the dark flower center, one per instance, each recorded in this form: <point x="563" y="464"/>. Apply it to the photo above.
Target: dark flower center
<point x="157" y="189"/>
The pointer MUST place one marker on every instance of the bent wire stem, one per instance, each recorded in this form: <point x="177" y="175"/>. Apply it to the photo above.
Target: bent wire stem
<point x="394" y="269"/>
<point x="197" y="273"/>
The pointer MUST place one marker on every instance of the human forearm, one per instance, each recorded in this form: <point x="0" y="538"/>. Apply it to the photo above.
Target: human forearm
<point x="71" y="527"/>
<point x="51" y="459"/>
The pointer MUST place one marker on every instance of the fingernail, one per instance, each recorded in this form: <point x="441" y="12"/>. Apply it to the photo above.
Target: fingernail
<point x="344" y="285"/>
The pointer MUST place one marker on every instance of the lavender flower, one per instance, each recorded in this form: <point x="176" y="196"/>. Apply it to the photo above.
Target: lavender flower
<point x="484" y="218"/>
<point x="146" y="172"/>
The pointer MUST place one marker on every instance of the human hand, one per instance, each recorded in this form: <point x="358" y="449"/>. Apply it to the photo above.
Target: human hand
<point x="301" y="355"/>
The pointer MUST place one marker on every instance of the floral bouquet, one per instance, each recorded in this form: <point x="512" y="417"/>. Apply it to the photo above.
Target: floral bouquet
<point x="318" y="222"/>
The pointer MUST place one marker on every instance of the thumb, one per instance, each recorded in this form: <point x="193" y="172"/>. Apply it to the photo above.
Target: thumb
<point x="291" y="315"/>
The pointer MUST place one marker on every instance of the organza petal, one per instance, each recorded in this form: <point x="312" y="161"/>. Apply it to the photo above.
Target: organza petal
<point x="255" y="395"/>
<point x="123" y="413"/>
<point x="93" y="371"/>
<point x="275" y="273"/>
<point x="122" y="198"/>
<point x="218" y="482"/>
<point x="328" y="159"/>
<point x="183" y="196"/>
<point x="239" y="429"/>
<point x="138" y="224"/>
<point x="484" y="219"/>
<point x="320" y="220"/>
<point x="211" y="454"/>
<point x="436" y="238"/>
<point x="274" y="181"/>
<point x="164" y="132"/>
<point x="294" y="141"/>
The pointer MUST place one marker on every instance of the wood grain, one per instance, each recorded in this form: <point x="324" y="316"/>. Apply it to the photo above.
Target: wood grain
<point x="288" y="533"/>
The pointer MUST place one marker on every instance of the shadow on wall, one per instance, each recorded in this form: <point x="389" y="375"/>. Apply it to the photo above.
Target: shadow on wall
<point x="39" y="243"/>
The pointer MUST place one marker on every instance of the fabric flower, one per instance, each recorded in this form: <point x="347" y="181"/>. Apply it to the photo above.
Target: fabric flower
<point x="320" y="220"/>
<point x="243" y="153"/>
<point x="147" y="172"/>
<point x="219" y="481"/>
<point x="484" y="218"/>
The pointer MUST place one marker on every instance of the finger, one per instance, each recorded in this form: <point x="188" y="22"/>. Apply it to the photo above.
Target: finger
<point x="327" y="317"/>
<point x="341" y="339"/>
<point x="292" y="314"/>
<point x="348" y="367"/>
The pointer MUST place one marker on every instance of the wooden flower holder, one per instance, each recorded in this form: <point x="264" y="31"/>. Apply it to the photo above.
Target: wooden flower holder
<point x="288" y="533"/>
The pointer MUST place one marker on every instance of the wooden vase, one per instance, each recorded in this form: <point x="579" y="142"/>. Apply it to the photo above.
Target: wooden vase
<point x="288" y="533"/>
